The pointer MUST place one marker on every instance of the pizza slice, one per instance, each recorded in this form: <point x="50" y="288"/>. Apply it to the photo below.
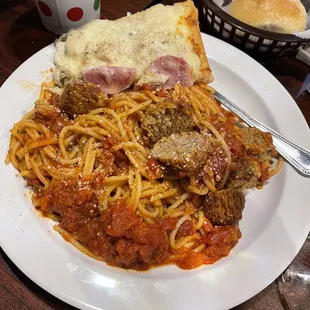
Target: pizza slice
<point x="160" y="46"/>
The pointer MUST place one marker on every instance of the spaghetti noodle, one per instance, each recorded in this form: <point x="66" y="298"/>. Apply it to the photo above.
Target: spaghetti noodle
<point x="115" y="202"/>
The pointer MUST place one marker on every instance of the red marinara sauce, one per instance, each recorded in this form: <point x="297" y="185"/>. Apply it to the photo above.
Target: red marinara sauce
<point x="120" y="238"/>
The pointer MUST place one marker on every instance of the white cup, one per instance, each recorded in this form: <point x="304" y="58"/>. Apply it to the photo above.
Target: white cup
<point x="60" y="16"/>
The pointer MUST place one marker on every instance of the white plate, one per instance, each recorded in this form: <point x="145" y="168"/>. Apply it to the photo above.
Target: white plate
<point x="275" y="223"/>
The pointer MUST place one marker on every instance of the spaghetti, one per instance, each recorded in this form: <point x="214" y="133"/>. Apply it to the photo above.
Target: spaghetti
<point x="115" y="202"/>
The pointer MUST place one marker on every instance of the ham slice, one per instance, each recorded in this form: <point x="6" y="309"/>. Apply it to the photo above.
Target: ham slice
<point x="110" y="79"/>
<point x="176" y="69"/>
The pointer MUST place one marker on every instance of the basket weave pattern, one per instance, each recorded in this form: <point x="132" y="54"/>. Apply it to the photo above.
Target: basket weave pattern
<point x="246" y="37"/>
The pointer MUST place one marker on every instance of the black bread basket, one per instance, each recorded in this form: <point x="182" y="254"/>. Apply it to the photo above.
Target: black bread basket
<point x="254" y="40"/>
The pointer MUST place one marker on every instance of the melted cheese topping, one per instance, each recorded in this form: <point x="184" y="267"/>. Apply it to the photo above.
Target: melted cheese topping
<point x="133" y="41"/>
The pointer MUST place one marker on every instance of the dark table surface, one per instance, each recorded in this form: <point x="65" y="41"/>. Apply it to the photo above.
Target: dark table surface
<point x="22" y="35"/>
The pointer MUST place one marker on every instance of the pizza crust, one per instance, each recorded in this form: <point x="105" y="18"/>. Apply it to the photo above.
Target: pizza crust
<point x="191" y="21"/>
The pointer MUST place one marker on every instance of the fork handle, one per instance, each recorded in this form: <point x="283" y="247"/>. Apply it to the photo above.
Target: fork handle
<point x="295" y="154"/>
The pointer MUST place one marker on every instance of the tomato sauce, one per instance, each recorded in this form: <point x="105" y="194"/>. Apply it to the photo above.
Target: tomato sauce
<point x="219" y="242"/>
<point x="52" y="119"/>
<point x="120" y="237"/>
<point x="154" y="169"/>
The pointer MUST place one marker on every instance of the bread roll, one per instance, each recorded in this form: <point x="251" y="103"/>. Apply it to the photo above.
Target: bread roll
<point x="286" y="16"/>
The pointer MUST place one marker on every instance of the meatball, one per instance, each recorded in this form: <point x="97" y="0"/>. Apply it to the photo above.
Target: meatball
<point x="80" y="98"/>
<point x="245" y="173"/>
<point x="164" y="119"/>
<point x="257" y="143"/>
<point x="224" y="207"/>
<point x="185" y="152"/>
<point x="216" y="162"/>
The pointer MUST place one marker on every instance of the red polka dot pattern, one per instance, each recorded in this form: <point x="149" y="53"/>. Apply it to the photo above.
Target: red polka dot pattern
<point x="75" y="14"/>
<point x="45" y="9"/>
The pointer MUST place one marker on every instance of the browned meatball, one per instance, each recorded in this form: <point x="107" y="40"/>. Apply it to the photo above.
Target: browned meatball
<point x="80" y="98"/>
<point x="185" y="152"/>
<point x="166" y="118"/>
<point x="257" y="143"/>
<point x="245" y="173"/>
<point x="224" y="207"/>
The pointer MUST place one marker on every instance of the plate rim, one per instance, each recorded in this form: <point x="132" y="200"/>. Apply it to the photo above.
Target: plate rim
<point x="77" y="303"/>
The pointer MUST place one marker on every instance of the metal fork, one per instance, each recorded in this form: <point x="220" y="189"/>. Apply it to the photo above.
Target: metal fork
<point x="295" y="154"/>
